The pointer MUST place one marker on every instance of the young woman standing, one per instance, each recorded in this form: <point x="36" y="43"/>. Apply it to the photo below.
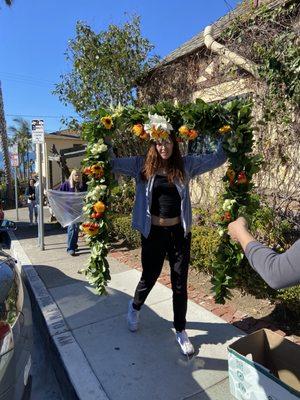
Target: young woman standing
<point x="162" y="213"/>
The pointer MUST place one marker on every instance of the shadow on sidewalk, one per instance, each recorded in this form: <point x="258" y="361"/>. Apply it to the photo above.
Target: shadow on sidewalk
<point x="27" y="231"/>
<point x="146" y="364"/>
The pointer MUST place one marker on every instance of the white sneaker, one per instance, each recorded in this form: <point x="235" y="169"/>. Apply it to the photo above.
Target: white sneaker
<point x="132" y="318"/>
<point x="185" y="344"/>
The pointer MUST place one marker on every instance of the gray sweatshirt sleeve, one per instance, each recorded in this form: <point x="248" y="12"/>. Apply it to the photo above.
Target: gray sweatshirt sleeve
<point x="277" y="270"/>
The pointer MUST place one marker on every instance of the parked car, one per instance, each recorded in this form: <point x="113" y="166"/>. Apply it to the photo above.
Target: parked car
<point x="15" y="326"/>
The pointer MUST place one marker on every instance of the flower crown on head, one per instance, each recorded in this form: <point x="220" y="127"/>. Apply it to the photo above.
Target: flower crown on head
<point x="158" y="128"/>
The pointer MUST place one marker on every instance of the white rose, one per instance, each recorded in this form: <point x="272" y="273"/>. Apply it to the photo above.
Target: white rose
<point x="102" y="148"/>
<point x="228" y="204"/>
<point x="159" y="122"/>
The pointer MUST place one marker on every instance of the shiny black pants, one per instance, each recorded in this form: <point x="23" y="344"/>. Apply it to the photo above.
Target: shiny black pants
<point x="164" y="241"/>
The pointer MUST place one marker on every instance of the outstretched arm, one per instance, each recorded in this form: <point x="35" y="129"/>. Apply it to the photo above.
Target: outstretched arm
<point x="129" y="166"/>
<point x="197" y="165"/>
<point x="277" y="270"/>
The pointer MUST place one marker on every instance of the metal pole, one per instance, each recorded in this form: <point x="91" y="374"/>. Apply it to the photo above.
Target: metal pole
<point x="41" y="191"/>
<point x="16" y="194"/>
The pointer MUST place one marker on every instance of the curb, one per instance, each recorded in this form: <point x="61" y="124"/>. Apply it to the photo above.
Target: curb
<point x="72" y="369"/>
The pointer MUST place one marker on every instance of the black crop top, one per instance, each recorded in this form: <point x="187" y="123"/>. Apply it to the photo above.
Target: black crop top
<point x="166" y="201"/>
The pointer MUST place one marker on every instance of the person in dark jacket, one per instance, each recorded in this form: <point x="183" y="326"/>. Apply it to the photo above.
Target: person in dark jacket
<point x="277" y="270"/>
<point x="31" y="201"/>
<point x="73" y="184"/>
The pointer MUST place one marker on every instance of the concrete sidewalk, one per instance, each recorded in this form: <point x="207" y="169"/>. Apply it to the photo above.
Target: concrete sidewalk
<point x="101" y="359"/>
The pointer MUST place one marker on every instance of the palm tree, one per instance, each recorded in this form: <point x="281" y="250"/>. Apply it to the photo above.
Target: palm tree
<point x="4" y="149"/>
<point x="4" y="142"/>
<point x="21" y="134"/>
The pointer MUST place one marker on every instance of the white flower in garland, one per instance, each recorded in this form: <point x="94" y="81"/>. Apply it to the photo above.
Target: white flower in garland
<point x="99" y="147"/>
<point x="97" y="193"/>
<point x="228" y="204"/>
<point x="117" y="112"/>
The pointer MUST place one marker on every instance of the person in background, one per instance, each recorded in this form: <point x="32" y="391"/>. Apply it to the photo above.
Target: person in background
<point x="73" y="184"/>
<point x="277" y="270"/>
<point x="30" y="194"/>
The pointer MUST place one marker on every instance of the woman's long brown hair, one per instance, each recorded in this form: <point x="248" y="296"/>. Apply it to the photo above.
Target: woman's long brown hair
<point x="173" y="166"/>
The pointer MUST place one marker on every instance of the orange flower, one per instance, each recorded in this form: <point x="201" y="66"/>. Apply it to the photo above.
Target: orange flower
<point x="87" y="170"/>
<point x="184" y="130"/>
<point x="155" y="133"/>
<point x="90" y="228"/>
<point x="144" y="136"/>
<point x="225" y="129"/>
<point x="97" y="170"/>
<point x="96" y="215"/>
<point x="230" y="174"/>
<point x="164" y="134"/>
<point x="227" y="216"/>
<point x="242" y="178"/>
<point x="138" y="129"/>
<point x="99" y="207"/>
<point x="107" y="121"/>
<point x="193" y="134"/>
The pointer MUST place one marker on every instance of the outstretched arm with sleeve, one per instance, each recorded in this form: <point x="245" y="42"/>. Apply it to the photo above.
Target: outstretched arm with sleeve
<point x="278" y="270"/>
<point x="199" y="164"/>
<point x="129" y="166"/>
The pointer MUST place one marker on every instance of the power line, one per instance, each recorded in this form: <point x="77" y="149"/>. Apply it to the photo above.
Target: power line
<point x="37" y="115"/>
<point x="27" y="80"/>
<point x="40" y="85"/>
<point x="25" y="77"/>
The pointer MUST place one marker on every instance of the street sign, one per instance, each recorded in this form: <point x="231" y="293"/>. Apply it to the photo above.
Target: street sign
<point x="37" y="129"/>
<point x="14" y="155"/>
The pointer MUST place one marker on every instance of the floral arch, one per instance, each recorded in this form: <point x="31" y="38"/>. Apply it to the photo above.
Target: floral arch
<point x="231" y="121"/>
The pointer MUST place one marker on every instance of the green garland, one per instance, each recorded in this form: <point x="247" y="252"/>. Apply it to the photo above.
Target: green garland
<point x="231" y="121"/>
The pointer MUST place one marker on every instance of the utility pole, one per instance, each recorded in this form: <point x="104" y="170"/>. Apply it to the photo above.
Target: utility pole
<point x="37" y="129"/>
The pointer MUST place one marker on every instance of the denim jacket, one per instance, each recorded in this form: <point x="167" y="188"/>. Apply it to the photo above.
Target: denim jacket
<point x="193" y="165"/>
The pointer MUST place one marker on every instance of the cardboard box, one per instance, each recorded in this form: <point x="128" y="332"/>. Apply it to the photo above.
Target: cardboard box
<point x="264" y="366"/>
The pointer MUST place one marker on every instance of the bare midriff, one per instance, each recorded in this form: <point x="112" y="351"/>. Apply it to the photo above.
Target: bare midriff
<point x="158" y="221"/>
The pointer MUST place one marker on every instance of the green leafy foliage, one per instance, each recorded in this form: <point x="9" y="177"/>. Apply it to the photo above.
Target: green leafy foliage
<point x="204" y="245"/>
<point x="269" y="37"/>
<point x="122" y="198"/>
<point x="236" y="197"/>
<point x="232" y="123"/>
<point x="105" y="66"/>
<point x="121" y="228"/>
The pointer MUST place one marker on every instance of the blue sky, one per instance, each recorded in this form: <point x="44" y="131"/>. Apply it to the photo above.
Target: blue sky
<point x="34" y="36"/>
